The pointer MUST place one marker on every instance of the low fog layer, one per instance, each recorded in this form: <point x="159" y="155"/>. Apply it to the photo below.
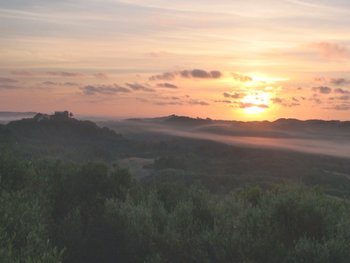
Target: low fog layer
<point x="338" y="148"/>
<point x="316" y="137"/>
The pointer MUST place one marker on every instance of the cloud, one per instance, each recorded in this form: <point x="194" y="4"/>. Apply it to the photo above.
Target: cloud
<point x="234" y="95"/>
<point x="322" y="89"/>
<point x="21" y="73"/>
<point x="201" y="74"/>
<point x="167" y="85"/>
<point x="315" y="100"/>
<point x="69" y="84"/>
<point x="164" y="76"/>
<point x="101" y="75"/>
<point x="139" y="87"/>
<point x="8" y="84"/>
<point x="164" y="103"/>
<point x="344" y="97"/>
<point x="49" y="83"/>
<point x="194" y="73"/>
<point x="7" y="81"/>
<point x="340" y="107"/>
<point x="277" y="100"/>
<point x="8" y="87"/>
<point x="331" y="50"/>
<point x="341" y="91"/>
<point x="198" y="102"/>
<point x="339" y="81"/>
<point x="64" y="74"/>
<point x="333" y="81"/>
<point x="285" y="102"/>
<point x="223" y="101"/>
<point x="52" y="83"/>
<point x="241" y="78"/>
<point x="172" y="100"/>
<point x="158" y="54"/>
<point x="319" y="79"/>
<point x="103" y="90"/>
<point x="244" y="105"/>
<point x="215" y="74"/>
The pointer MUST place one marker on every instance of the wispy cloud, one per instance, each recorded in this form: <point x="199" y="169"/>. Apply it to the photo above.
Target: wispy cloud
<point x="52" y="83"/>
<point x="201" y="74"/>
<point x="21" y="73"/>
<point x="333" y="81"/>
<point x="322" y="89"/>
<point x="235" y="95"/>
<point x="223" y="101"/>
<point x="164" y="76"/>
<point x="8" y="87"/>
<point x="104" y="90"/>
<point x="241" y="78"/>
<point x="244" y="105"/>
<point x="7" y="80"/>
<point x="198" y="102"/>
<point x="339" y="107"/>
<point x="174" y="100"/>
<point x="293" y="102"/>
<point x="64" y="74"/>
<point x="341" y="91"/>
<point x="194" y="73"/>
<point x="167" y="85"/>
<point x="8" y="84"/>
<point x="331" y="50"/>
<point x="139" y="87"/>
<point x="166" y="103"/>
<point x="339" y="81"/>
<point x="343" y="98"/>
<point x="100" y="75"/>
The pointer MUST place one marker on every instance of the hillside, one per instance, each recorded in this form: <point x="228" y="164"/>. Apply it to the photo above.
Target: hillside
<point x="65" y="196"/>
<point x="287" y="128"/>
<point x="62" y="137"/>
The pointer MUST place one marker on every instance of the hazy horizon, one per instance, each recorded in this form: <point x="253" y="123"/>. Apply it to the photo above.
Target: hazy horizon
<point x="140" y="116"/>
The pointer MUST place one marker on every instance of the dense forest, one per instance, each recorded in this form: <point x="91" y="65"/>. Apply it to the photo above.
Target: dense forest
<point x="65" y="196"/>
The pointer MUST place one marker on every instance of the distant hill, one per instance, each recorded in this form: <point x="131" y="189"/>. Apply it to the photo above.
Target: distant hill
<point x="63" y="137"/>
<point x="173" y="119"/>
<point x="280" y="128"/>
<point x="172" y="148"/>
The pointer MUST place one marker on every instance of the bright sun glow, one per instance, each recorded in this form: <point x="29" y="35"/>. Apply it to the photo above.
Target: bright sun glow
<point x="255" y="103"/>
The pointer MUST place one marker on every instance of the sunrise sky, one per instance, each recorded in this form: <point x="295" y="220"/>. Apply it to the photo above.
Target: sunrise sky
<point x="223" y="59"/>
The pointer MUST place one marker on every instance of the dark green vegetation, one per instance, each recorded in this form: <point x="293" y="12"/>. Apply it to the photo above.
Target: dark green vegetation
<point x="64" y="198"/>
<point x="63" y="138"/>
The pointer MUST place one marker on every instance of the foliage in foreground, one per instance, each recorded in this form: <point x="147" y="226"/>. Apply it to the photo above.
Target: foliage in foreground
<point x="56" y="211"/>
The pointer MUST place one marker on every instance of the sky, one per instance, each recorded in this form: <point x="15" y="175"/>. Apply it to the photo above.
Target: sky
<point x="223" y="59"/>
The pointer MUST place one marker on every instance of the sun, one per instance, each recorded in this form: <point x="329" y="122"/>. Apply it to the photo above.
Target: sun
<point x="255" y="103"/>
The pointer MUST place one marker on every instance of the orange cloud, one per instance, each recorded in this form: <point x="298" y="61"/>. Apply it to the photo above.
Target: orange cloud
<point x="331" y="50"/>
